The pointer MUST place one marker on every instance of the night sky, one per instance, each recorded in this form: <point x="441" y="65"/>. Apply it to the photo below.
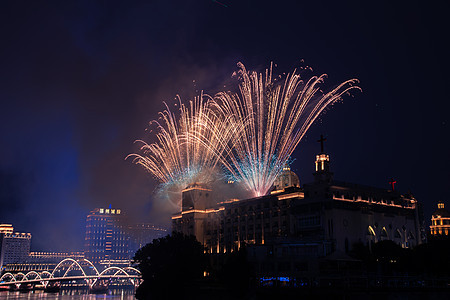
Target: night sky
<point x="80" y="80"/>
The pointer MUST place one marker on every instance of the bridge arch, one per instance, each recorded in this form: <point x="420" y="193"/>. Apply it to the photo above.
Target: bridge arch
<point x="92" y="265"/>
<point x="129" y="273"/>
<point x="74" y="262"/>
<point x="46" y="272"/>
<point x="133" y="269"/>
<point x="113" y="268"/>
<point x="118" y="270"/>
<point x="38" y="276"/>
<point x="31" y="273"/>
<point x="20" y="274"/>
<point x="8" y="274"/>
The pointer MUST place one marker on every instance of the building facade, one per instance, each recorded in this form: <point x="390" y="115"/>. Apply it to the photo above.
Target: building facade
<point x="286" y="228"/>
<point x="42" y="261"/>
<point x="14" y="246"/>
<point x="440" y="221"/>
<point x="106" y="239"/>
<point x="110" y="239"/>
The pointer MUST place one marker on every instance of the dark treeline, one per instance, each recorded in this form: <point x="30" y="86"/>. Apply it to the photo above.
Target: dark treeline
<point x="388" y="258"/>
<point x="177" y="266"/>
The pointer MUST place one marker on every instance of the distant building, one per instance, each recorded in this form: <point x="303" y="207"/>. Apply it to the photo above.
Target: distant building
<point x="287" y="228"/>
<point x="6" y="228"/>
<point x="440" y="221"/>
<point x="41" y="261"/>
<point x="106" y="238"/>
<point x="52" y="257"/>
<point x="14" y="246"/>
<point x="143" y="233"/>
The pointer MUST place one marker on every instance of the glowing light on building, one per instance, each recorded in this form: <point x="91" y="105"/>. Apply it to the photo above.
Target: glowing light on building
<point x="440" y="221"/>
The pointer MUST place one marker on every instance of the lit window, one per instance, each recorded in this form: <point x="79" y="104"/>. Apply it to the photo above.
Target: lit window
<point x="101" y="210"/>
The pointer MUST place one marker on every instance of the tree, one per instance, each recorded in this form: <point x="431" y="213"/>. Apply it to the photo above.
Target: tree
<point x="236" y="272"/>
<point x="170" y="266"/>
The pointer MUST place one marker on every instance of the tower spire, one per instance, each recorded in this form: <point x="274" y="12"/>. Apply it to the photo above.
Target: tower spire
<point x="392" y="183"/>
<point x="323" y="173"/>
<point x="321" y="140"/>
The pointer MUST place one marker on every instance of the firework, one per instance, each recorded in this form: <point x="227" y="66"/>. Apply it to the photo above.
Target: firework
<point x="250" y="134"/>
<point x="277" y="114"/>
<point x="189" y="144"/>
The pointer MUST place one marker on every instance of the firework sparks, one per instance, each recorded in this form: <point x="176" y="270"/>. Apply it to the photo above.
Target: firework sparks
<point x="277" y="114"/>
<point x="189" y="144"/>
<point x="251" y="134"/>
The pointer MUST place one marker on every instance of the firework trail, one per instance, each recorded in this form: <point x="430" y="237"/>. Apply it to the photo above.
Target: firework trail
<point x="180" y="155"/>
<point x="251" y="134"/>
<point x="277" y="114"/>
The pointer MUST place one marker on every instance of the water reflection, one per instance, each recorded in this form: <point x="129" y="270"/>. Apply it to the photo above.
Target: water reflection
<point x="70" y="294"/>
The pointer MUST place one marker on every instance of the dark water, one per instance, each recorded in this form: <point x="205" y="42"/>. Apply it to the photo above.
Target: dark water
<point x="119" y="294"/>
<point x="128" y="294"/>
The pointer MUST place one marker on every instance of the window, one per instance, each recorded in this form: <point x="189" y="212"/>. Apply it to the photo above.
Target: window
<point x="308" y="221"/>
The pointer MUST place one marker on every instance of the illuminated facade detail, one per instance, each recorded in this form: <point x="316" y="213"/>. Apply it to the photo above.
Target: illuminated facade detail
<point x="14" y="246"/>
<point x="6" y="228"/>
<point x="52" y="257"/>
<point x="323" y="168"/>
<point x="286" y="179"/>
<point x="229" y="225"/>
<point x="440" y="221"/>
<point x="321" y="218"/>
<point x="106" y="238"/>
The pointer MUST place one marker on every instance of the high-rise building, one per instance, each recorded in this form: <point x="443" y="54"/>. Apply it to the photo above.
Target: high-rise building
<point x="14" y="246"/>
<point x="106" y="238"/>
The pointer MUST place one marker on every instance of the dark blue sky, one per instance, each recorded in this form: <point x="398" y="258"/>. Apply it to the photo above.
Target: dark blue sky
<point x="80" y="81"/>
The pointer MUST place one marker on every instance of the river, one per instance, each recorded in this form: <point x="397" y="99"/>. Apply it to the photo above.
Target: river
<point x="116" y="294"/>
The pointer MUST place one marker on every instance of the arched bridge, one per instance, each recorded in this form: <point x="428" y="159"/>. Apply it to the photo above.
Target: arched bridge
<point x="69" y="270"/>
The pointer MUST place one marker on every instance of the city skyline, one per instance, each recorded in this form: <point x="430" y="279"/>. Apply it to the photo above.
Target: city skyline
<point x="81" y="81"/>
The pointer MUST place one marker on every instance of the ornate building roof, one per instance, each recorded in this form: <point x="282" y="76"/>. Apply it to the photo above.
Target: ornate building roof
<point x="441" y="211"/>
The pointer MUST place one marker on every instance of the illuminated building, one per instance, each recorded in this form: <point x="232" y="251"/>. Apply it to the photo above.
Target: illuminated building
<point x="41" y="261"/>
<point x="106" y="238"/>
<point x="143" y="233"/>
<point x="14" y="246"/>
<point x="440" y="221"/>
<point x="52" y="257"/>
<point x="6" y="228"/>
<point x="285" y="229"/>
